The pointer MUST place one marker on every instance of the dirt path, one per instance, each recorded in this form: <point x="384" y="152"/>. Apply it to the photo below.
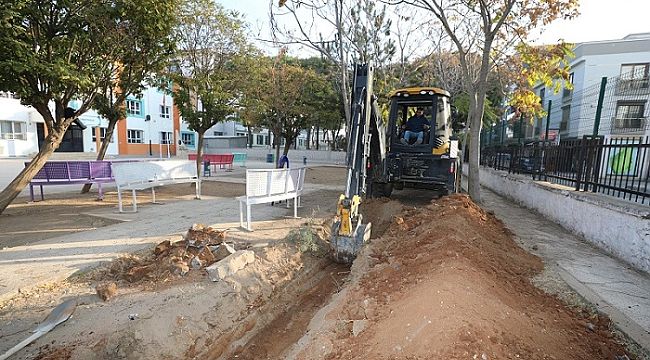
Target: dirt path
<point x="447" y="281"/>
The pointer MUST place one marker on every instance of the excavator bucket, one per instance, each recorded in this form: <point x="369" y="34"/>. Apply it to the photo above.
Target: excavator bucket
<point x="346" y="248"/>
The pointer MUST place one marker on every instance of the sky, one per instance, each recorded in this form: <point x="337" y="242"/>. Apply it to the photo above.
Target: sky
<point x="598" y="20"/>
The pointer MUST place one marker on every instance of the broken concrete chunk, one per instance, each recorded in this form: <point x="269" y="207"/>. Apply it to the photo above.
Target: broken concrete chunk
<point x="222" y="251"/>
<point x="358" y="326"/>
<point x="230" y="265"/>
<point x="196" y="263"/>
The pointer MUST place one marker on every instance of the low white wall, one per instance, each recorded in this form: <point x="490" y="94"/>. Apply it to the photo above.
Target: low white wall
<point x="613" y="225"/>
<point x="323" y="156"/>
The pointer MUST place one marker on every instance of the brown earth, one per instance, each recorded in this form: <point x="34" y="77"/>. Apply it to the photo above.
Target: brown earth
<point x="447" y="281"/>
<point x="63" y="213"/>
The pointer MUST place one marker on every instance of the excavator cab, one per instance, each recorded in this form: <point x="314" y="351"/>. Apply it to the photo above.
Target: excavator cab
<point x="429" y="163"/>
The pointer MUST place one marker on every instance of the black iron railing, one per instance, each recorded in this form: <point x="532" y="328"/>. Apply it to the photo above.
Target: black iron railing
<point x="617" y="166"/>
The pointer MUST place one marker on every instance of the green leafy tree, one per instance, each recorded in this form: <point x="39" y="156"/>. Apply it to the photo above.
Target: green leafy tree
<point x="210" y="66"/>
<point x="53" y="52"/>
<point x="141" y="35"/>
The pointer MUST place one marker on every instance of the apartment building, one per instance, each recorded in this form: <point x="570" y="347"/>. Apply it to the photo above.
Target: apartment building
<point x="625" y="64"/>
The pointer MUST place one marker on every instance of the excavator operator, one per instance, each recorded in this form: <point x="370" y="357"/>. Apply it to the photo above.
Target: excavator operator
<point x="414" y="127"/>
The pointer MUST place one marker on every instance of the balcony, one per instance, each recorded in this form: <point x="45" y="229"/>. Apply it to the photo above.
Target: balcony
<point x="630" y="125"/>
<point x="632" y="87"/>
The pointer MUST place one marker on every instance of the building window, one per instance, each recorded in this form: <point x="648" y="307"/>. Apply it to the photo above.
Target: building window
<point x="633" y="77"/>
<point x="259" y="140"/>
<point x="567" y="92"/>
<point x="134" y="136"/>
<point x="267" y="140"/>
<point x="566" y="117"/>
<point x="12" y="130"/>
<point x="165" y="112"/>
<point x="240" y="134"/>
<point x="102" y="134"/>
<point x="218" y="133"/>
<point x="629" y="115"/>
<point x="188" y="139"/>
<point x="542" y="96"/>
<point x="134" y="107"/>
<point x="166" y="137"/>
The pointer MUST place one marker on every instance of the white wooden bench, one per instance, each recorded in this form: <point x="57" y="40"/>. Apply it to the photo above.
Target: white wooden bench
<point x="149" y="174"/>
<point x="270" y="185"/>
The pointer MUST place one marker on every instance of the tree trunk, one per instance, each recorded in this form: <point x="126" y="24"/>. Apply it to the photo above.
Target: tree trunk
<point x="276" y="143"/>
<point x="199" y="154"/>
<point x="308" y="145"/>
<point x="287" y="145"/>
<point x="17" y="185"/>
<point x="477" y="100"/>
<point x="102" y="149"/>
<point x="250" y="136"/>
<point x="317" y="137"/>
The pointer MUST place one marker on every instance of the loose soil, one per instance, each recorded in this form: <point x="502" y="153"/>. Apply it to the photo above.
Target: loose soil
<point x="441" y="281"/>
<point x="447" y="281"/>
<point x="64" y="213"/>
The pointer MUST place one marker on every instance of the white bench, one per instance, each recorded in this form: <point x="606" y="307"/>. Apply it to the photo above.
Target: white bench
<point x="149" y="174"/>
<point x="269" y="185"/>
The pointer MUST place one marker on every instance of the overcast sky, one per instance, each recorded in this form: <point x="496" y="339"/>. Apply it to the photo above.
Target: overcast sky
<point x="599" y="20"/>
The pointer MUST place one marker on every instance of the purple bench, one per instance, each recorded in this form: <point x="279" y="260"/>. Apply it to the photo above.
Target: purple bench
<point x="72" y="172"/>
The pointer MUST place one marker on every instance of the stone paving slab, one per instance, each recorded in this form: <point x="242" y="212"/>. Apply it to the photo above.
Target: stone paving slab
<point x="612" y="285"/>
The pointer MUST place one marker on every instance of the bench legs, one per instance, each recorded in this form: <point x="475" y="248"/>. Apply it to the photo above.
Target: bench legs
<point x="119" y="200"/>
<point x="295" y="207"/>
<point x="248" y="216"/>
<point x="31" y="192"/>
<point x="135" y="203"/>
<point x="100" y="196"/>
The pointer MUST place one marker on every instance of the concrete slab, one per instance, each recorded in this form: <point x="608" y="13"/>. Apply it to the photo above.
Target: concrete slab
<point x="613" y="286"/>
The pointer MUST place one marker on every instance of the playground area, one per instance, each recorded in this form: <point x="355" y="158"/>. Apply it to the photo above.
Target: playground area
<point x="441" y="278"/>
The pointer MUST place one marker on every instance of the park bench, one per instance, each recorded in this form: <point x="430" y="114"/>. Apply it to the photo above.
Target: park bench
<point x="72" y="172"/>
<point x="240" y="158"/>
<point x="150" y="174"/>
<point x="222" y="160"/>
<point x="271" y="185"/>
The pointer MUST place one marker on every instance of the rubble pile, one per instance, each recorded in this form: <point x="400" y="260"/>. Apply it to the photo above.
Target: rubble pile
<point x="199" y="248"/>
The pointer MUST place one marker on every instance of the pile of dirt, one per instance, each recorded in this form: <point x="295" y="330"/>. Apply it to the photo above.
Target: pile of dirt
<point x="380" y="213"/>
<point x="447" y="281"/>
<point x="199" y="248"/>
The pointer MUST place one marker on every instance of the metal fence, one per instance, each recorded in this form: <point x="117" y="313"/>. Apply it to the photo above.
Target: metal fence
<point x="617" y="167"/>
<point x="615" y="106"/>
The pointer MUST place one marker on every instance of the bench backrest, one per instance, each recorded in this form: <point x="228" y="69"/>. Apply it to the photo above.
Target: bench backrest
<point x="214" y="158"/>
<point x="148" y="171"/>
<point x="268" y="182"/>
<point x="74" y="170"/>
<point x="239" y="157"/>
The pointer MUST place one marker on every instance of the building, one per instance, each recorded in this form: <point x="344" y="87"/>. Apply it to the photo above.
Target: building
<point x="625" y="109"/>
<point x="152" y="128"/>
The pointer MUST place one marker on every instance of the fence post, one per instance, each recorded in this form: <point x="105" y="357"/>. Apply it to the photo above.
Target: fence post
<point x="599" y="107"/>
<point x="548" y="124"/>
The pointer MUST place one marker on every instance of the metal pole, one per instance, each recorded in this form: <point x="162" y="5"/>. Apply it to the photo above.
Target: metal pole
<point x="599" y="107"/>
<point x="548" y="119"/>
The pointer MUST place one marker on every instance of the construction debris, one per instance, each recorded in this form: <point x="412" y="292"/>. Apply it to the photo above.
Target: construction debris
<point x="200" y="247"/>
<point x="230" y="265"/>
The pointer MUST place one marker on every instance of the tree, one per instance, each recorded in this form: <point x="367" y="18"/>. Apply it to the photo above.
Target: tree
<point x="210" y="66"/>
<point x="53" y="52"/>
<point x="488" y="29"/>
<point x="142" y="39"/>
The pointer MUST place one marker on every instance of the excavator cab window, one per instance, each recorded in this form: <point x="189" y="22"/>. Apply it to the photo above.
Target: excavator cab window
<point x="408" y="110"/>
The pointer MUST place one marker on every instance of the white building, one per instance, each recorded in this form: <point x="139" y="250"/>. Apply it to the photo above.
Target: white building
<point x="625" y="63"/>
<point x="152" y="128"/>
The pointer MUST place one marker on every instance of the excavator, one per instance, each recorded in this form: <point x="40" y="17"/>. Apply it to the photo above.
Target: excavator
<point x="381" y="158"/>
